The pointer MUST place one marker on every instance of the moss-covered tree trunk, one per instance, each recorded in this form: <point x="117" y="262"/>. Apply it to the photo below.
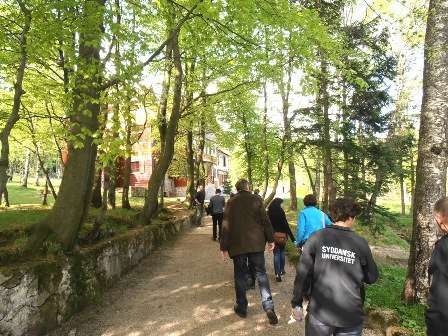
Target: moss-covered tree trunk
<point x="71" y="208"/>
<point x="432" y="151"/>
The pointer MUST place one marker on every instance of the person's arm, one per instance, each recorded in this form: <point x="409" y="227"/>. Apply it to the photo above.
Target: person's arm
<point x="300" y="228"/>
<point x="287" y="228"/>
<point x="267" y="226"/>
<point x="369" y="268"/>
<point x="304" y="270"/>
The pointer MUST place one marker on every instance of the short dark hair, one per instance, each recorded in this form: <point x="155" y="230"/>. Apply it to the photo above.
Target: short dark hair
<point x="441" y="207"/>
<point x="344" y="208"/>
<point x="242" y="184"/>
<point x="310" y="200"/>
<point x="218" y="191"/>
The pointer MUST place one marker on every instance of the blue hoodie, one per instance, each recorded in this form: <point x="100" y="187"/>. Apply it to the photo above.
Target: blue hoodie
<point x="310" y="219"/>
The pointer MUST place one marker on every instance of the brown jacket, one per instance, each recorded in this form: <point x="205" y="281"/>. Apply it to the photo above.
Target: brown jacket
<point x="246" y="226"/>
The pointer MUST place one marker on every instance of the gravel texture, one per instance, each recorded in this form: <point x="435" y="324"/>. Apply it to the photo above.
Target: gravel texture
<point x="185" y="289"/>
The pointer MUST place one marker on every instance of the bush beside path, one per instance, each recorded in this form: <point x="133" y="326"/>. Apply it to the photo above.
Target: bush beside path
<point x="184" y="289"/>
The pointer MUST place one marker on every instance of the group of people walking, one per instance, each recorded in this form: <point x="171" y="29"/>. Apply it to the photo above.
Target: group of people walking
<point x="334" y="266"/>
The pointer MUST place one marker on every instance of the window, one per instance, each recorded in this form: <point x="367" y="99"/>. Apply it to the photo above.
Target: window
<point x="135" y="166"/>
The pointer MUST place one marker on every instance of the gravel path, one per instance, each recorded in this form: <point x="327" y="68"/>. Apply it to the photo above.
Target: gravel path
<point x="184" y="289"/>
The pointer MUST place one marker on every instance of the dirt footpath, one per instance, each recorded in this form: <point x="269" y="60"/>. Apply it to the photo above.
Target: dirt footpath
<point x="185" y="289"/>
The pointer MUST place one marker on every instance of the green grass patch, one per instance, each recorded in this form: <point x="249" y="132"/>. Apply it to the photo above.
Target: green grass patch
<point x="386" y="293"/>
<point x="19" y="195"/>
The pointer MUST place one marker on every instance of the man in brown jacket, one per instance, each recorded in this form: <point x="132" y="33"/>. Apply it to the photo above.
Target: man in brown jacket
<point x="246" y="230"/>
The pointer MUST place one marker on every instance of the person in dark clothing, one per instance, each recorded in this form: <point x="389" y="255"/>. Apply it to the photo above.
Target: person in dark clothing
<point x="245" y="232"/>
<point x="279" y="223"/>
<point x="217" y="204"/>
<point x="338" y="262"/>
<point x="199" y="200"/>
<point x="437" y="312"/>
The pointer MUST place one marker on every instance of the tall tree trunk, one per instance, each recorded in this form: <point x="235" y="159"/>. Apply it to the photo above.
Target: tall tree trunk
<point x="125" y="204"/>
<point x="26" y="171"/>
<point x="70" y="210"/>
<point x="158" y="174"/>
<point x="310" y="176"/>
<point x="328" y="161"/>
<point x="37" y="174"/>
<point x="199" y="161"/>
<point x="266" y="162"/>
<point x="190" y="169"/>
<point x="432" y="151"/>
<point x="247" y="148"/>
<point x="97" y="200"/>
<point x="402" y="189"/>
<point x="18" y="92"/>
<point x="278" y="174"/>
<point x="318" y="178"/>
<point x="45" y="194"/>
<point x="411" y="210"/>
<point x="285" y="90"/>
<point x="111" y="188"/>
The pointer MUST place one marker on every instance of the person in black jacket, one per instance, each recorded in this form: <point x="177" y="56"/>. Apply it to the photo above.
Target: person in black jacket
<point x="338" y="262"/>
<point x="199" y="199"/>
<point x="437" y="313"/>
<point x="279" y="224"/>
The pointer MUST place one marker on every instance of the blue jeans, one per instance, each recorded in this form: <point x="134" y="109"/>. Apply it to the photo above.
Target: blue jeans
<point x="279" y="259"/>
<point x="239" y="273"/>
<point x="313" y="327"/>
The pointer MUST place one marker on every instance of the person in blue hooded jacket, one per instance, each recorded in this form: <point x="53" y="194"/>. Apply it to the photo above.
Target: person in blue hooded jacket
<point x="310" y="220"/>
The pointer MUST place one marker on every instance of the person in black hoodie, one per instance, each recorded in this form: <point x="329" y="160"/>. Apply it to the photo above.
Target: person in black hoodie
<point x="437" y="313"/>
<point x="279" y="224"/>
<point x="338" y="262"/>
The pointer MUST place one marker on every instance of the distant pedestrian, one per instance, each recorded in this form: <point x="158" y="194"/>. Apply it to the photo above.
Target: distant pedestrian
<point x="257" y="192"/>
<point x="310" y="220"/>
<point x="279" y="223"/>
<point x="437" y="312"/>
<point x="199" y="200"/>
<point x="338" y="262"/>
<point x="244" y="236"/>
<point x="217" y="204"/>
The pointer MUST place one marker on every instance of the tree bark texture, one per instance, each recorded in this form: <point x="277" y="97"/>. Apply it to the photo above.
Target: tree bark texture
<point x="432" y="151"/>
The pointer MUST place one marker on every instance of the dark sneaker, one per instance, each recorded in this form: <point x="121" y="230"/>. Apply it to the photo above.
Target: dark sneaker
<point x="282" y="273"/>
<point x="271" y="316"/>
<point x="278" y="278"/>
<point x="239" y="312"/>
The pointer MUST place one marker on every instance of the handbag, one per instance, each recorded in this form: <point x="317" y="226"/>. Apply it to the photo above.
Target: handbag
<point x="280" y="238"/>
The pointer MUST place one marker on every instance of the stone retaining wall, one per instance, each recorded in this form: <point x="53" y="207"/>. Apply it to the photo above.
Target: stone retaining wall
<point x="35" y="298"/>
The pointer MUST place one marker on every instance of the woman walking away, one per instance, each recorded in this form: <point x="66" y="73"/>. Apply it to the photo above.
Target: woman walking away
<point x="437" y="313"/>
<point x="279" y="224"/>
<point x="310" y="219"/>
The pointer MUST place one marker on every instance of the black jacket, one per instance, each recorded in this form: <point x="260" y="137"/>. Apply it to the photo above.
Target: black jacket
<point x="438" y="289"/>
<point x="279" y="222"/>
<point x="338" y="262"/>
